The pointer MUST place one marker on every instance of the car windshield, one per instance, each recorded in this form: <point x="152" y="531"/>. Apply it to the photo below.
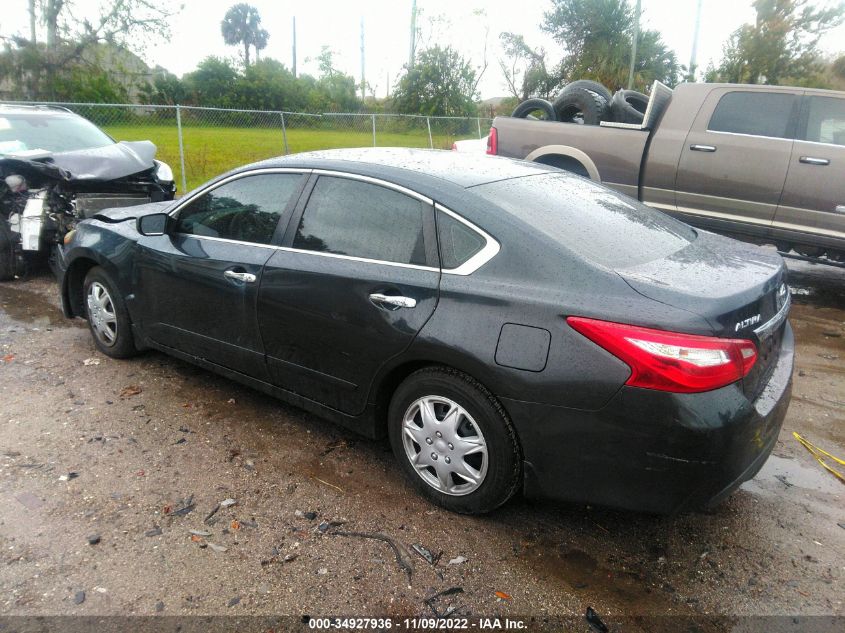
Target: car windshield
<point x="52" y="132"/>
<point x="596" y="223"/>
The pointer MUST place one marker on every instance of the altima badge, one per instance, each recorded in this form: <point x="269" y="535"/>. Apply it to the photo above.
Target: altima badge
<point x="747" y="322"/>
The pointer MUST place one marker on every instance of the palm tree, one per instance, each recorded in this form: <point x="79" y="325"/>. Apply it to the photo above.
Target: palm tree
<point x="242" y="26"/>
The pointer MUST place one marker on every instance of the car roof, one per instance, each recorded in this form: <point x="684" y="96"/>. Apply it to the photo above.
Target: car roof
<point x="20" y="108"/>
<point x="419" y="166"/>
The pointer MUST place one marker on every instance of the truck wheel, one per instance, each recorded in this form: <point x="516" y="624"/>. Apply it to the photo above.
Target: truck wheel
<point x="580" y="105"/>
<point x="7" y="252"/>
<point x="589" y="85"/>
<point x="535" y="107"/>
<point x="622" y="111"/>
<point x="454" y="441"/>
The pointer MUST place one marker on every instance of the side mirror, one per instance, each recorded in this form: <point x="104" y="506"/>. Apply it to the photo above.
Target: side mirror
<point x="153" y="224"/>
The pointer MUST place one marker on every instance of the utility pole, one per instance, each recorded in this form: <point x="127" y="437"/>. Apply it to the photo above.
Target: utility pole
<point x="412" y="53"/>
<point x="294" y="47"/>
<point x="32" y="22"/>
<point x="634" y="46"/>
<point x="693" y="62"/>
<point x="387" y="90"/>
<point x="363" y="80"/>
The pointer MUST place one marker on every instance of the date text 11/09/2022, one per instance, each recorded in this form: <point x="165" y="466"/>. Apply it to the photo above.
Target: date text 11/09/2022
<point x="416" y="624"/>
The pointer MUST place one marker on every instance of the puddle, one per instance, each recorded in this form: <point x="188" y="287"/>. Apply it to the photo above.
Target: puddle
<point x="781" y="473"/>
<point x="30" y="308"/>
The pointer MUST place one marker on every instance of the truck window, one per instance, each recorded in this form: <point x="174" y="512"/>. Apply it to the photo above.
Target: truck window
<point x="826" y="120"/>
<point x="756" y="113"/>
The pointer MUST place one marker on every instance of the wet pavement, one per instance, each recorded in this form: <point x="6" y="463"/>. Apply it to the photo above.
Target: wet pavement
<point x="132" y="455"/>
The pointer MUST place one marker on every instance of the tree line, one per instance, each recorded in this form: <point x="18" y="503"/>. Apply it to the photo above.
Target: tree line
<point x="93" y="60"/>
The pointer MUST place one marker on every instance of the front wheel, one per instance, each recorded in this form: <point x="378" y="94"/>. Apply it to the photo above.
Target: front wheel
<point x="454" y="441"/>
<point x="107" y="315"/>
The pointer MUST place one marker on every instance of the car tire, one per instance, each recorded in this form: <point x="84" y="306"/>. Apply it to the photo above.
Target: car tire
<point x="7" y="252"/>
<point x="622" y="111"/>
<point x="587" y="84"/>
<point x="580" y="105"/>
<point x="524" y="109"/>
<point x="107" y="316"/>
<point x="462" y="410"/>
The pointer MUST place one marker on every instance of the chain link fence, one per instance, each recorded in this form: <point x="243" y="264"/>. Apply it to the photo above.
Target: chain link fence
<point x="200" y="143"/>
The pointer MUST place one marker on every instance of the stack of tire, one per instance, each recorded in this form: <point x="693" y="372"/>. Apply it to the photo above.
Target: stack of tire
<point x="588" y="103"/>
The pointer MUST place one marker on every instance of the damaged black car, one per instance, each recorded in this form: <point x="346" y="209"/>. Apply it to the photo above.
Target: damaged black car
<point x="57" y="168"/>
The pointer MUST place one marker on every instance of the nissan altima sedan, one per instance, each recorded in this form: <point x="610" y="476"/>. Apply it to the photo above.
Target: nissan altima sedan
<point x="507" y="325"/>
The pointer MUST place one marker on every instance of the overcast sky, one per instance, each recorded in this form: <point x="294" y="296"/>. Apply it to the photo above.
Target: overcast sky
<point x="336" y="23"/>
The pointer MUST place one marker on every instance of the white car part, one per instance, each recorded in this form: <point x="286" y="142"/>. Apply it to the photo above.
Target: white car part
<point x="32" y="221"/>
<point x="163" y="171"/>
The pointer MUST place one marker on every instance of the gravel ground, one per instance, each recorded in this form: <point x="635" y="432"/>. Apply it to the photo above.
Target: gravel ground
<point x="106" y="466"/>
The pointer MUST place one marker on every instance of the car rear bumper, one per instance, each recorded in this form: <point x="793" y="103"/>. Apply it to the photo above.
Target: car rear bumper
<point x="654" y="451"/>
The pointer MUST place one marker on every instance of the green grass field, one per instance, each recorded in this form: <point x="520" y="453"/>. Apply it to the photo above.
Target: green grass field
<point x="210" y="151"/>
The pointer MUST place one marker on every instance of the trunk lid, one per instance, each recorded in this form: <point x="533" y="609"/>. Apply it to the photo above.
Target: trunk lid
<point x="739" y="289"/>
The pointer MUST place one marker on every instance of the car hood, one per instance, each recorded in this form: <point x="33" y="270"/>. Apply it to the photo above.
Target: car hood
<point x="121" y="214"/>
<point x="107" y="163"/>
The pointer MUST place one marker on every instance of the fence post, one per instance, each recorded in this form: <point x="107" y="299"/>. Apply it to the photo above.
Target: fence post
<point x="181" y="149"/>
<point x="478" y="123"/>
<point x="284" y="132"/>
<point x="430" y="142"/>
<point x="374" y="130"/>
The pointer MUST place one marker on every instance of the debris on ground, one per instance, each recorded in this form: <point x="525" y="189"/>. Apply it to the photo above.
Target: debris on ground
<point x="458" y="560"/>
<point x="430" y="602"/>
<point x="322" y="571"/>
<point x="199" y="533"/>
<point x="217" y="548"/>
<point x="820" y="454"/>
<point x="79" y="597"/>
<point x="131" y="390"/>
<point x="402" y="558"/>
<point x="501" y="595"/>
<point x="93" y="539"/>
<point x="8" y="358"/>
<point x="91" y="361"/>
<point x="227" y="503"/>
<point x="234" y="601"/>
<point x="595" y="622"/>
<point x="426" y="554"/>
<point x="159" y="606"/>
<point x="782" y="479"/>
<point x="211" y="514"/>
<point x="334" y="445"/>
<point x="156" y="531"/>
<point x="69" y="476"/>
<point x="180" y="509"/>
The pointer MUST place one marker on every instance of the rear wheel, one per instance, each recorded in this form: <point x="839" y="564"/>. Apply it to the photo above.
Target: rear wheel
<point x="107" y="315"/>
<point x="454" y="441"/>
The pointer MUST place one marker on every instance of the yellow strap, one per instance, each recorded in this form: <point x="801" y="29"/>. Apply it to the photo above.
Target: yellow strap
<point x="817" y="452"/>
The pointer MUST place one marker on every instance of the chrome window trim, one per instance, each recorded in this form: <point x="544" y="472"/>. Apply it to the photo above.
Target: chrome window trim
<point x="768" y="328"/>
<point x="219" y="183"/>
<point x="489" y="251"/>
<point x="773" y="138"/>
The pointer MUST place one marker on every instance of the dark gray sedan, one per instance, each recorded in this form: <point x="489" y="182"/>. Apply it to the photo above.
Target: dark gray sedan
<point x="508" y="326"/>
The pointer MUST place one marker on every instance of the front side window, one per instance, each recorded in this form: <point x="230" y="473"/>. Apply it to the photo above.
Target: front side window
<point x="359" y="219"/>
<point x="769" y="114"/>
<point x="826" y="120"/>
<point x="247" y="209"/>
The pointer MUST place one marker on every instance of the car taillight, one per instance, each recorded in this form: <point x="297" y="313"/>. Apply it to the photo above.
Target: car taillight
<point x="493" y="142"/>
<point x="670" y="361"/>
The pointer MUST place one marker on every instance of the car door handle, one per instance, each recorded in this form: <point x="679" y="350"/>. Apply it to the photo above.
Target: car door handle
<point x="809" y="160"/>
<point x="247" y="278"/>
<point x="703" y="148"/>
<point x="393" y="300"/>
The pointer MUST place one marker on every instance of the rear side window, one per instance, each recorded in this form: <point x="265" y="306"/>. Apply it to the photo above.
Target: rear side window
<point x="757" y="113"/>
<point x="350" y="217"/>
<point x="458" y="242"/>
<point x="247" y="209"/>
<point x="826" y="120"/>
<point x="592" y="221"/>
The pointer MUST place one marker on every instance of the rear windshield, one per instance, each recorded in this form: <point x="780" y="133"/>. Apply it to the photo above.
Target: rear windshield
<point x="594" y="222"/>
<point x="50" y="132"/>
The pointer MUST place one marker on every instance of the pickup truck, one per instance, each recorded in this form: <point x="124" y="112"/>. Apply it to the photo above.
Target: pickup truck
<point x="765" y="164"/>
